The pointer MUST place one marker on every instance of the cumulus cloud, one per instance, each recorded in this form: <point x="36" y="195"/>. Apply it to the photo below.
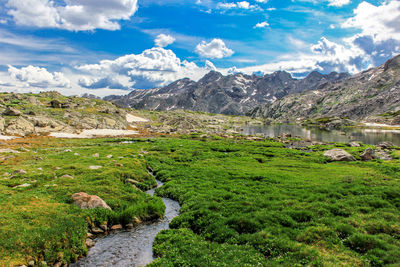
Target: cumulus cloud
<point x="163" y="40"/>
<point x="154" y="67"/>
<point x="380" y="30"/>
<point x="338" y="3"/>
<point x="38" y="77"/>
<point x="238" y="5"/>
<point x="263" y="24"/>
<point x="214" y="49"/>
<point x="73" y="15"/>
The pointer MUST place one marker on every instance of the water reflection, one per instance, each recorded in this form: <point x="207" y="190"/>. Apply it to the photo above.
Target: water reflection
<point x="367" y="136"/>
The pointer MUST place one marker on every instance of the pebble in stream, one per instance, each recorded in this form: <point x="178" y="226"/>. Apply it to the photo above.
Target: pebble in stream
<point x="130" y="248"/>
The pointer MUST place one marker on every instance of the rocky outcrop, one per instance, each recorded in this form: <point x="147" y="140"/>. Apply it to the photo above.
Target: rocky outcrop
<point x="233" y="94"/>
<point x="43" y="112"/>
<point x="10" y="111"/>
<point x="338" y="155"/>
<point x="20" y="127"/>
<point x="85" y="201"/>
<point x="2" y="122"/>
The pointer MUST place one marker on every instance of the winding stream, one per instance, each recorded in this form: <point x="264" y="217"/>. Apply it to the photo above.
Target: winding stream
<point x="130" y="248"/>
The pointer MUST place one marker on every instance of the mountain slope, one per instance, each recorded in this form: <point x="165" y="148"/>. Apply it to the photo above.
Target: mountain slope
<point x="371" y="95"/>
<point x="233" y="94"/>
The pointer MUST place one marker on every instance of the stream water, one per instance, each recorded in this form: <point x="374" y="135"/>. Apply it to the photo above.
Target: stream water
<point x="367" y="136"/>
<point x="130" y="248"/>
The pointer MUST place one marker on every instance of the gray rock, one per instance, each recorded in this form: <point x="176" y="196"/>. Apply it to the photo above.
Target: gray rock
<point x="10" y="111"/>
<point x="85" y="201"/>
<point x="66" y="176"/>
<point x="95" y="167"/>
<point x="21" y="127"/>
<point x="338" y="155"/>
<point x="2" y="123"/>
<point x="354" y="144"/>
<point x="385" y="145"/>
<point x="22" y="186"/>
<point x="369" y="154"/>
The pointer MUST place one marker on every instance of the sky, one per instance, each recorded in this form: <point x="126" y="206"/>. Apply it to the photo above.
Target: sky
<point x="106" y="47"/>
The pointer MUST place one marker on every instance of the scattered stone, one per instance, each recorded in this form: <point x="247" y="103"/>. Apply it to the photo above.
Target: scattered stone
<point x="104" y="227"/>
<point x="66" y="176"/>
<point x="2" y="123"/>
<point x="55" y="104"/>
<point x="338" y="155"/>
<point x="76" y="154"/>
<point x="109" y="156"/>
<point x="58" y="264"/>
<point x="68" y="150"/>
<point x="119" y="165"/>
<point x="369" y="154"/>
<point x="131" y="181"/>
<point x="58" y="168"/>
<point x="44" y="263"/>
<point x="31" y="263"/>
<point x="20" y="171"/>
<point x="40" y="169"/>
<point x="354" y="144"/>
<point x="95" y="167"/>
<point x="10" y="111"/>
<point x="89" y="235"/>
<point x="383" y="155"/>
<point x="85" y="201"/>
<point x="130" y="226"/>
<point x="116" y="227"/>
<point x="385" y="145"/>
<point x="89" y="243"/>
<point x="97" y="231"/>
<point x="96" y="155"/>
<point x="22" y="186"/>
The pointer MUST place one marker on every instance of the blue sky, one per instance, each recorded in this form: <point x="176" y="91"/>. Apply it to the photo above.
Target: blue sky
<point x="113" y="46"/>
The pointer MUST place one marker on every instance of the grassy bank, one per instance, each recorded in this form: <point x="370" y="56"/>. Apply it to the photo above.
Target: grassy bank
<point x="258" y="203"/>
<point x="244" y="203"/>
<point x="40" y="223"/>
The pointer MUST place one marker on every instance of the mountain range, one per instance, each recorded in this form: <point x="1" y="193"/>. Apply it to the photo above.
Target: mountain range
<point x="372" y="95"/>
<point x="235" y="94"/>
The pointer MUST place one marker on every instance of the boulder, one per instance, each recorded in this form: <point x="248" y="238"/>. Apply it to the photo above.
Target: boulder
<point x="116" y="227"/>
<point x="385" y="145"/>
<point x="369" y="154"/>
<point x="354" y="144"/>
<point x="21" y="127"/>
<point x="338" y="155"/>
<point x="10" y="111"/>
<point x="55" y="104"/>
<point x="85" y="201"/>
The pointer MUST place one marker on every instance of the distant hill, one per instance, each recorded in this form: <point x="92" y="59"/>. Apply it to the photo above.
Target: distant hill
<point x="233" y="94"/>
<point x="372" y="95"/>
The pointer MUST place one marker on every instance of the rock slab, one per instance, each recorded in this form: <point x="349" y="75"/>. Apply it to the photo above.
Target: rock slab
<point x="86" y="201"/>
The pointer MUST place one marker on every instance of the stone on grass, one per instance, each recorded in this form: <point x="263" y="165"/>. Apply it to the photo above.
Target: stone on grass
<point x="385" y="145"/>
<point x="354" y="144"/>
<point x="89" y="243"/>
<point x="95" y="167"/>
<point x="369" y="154"/>
<point x="338" y="155"/>
<point x="20" y="126"/>
<point x="97" y="231"/>
<point x="116" y="227"/>
<point x="10" y="111"/>
<point x="66" y="176"/>
<point x="22" y="186"/>
<point x="86" y="201"/>
<point x="96" y="155"/>
<point x="109" y="156"/>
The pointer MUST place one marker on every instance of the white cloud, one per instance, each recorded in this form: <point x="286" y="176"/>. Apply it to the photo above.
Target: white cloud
<point x="262" y="1"/>
<point x="243" y="4"/>
<point x="263" y="24"/>
<point x="154" y="67"/>
<point x="338" y="3"/>
<point x="226" y="5"/>
<point x="38" y="77"/>
<point x="73" y="15"/>
<point x="163" y="40"/>
<point x="210" y="66"/>
<point x="380" y="22"/>
<point x="214" y="49"/>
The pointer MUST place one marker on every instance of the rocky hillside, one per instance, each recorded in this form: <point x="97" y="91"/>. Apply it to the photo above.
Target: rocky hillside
<point x="373" y="95"/>
<point x="25" y="114"/>
<point x="233" y="94"/>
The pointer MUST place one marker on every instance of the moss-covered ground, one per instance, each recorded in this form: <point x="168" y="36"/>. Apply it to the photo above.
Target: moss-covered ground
<point x="244" y="203"/>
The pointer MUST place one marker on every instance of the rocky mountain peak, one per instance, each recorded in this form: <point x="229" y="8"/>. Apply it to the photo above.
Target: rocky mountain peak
<point x="393" y="63"/>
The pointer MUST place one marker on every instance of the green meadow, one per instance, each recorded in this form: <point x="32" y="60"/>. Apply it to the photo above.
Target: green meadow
<point x="244" y="203"/>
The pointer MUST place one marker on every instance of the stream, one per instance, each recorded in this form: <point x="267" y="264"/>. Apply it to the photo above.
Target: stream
<point x="133" y="247"/>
